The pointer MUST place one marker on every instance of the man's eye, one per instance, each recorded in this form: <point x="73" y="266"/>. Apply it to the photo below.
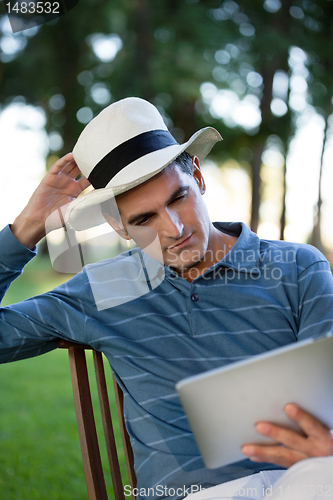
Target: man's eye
<point x="142" y="221"/>
<point x="180" y="197"/>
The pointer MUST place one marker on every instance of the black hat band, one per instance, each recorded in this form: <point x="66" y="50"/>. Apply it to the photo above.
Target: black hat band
<point x="126" y="153"/>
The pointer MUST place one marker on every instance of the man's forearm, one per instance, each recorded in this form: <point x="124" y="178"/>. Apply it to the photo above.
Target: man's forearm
<point x="26" y="232"/>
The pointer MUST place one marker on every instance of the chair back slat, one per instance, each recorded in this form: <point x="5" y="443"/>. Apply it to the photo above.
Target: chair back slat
<point x="128" y="451"/>
<point x="108" y="427"/>
<point x="86" y="425"/>
<point x="87" y="428"/>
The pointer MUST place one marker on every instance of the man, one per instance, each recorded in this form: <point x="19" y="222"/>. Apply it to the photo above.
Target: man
<point x="222" y="295"/>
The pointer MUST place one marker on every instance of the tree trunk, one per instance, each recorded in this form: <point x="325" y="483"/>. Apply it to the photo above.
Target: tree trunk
<point x="68" y="57"/>
<point x="256" y="182"/>
<point x="144" y="49"/>
<point x="316" y="231"/>
<point x="280" y="23"/>
<point x="268" y="76"/>
<point x="284" y="195"/>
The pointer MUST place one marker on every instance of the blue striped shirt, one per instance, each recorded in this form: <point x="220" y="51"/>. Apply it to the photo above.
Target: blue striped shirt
<point x="260" y="296"/>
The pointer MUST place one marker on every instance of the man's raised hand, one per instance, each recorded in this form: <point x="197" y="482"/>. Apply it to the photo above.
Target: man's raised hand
<point x="58" y="188"/>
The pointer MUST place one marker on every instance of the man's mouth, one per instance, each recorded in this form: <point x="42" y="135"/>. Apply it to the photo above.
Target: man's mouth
<point x="181" y="244"/>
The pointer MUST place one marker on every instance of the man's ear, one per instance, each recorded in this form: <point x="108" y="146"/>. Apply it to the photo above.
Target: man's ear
<point x="197" y="174"/>
<point x="116" y="225"/>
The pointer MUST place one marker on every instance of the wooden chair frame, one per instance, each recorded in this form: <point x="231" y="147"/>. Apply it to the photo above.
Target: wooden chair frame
<point x="87" y="428"/>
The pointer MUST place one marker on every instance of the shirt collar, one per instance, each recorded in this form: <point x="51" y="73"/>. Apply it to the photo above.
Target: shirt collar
<point x="244" y="256"/>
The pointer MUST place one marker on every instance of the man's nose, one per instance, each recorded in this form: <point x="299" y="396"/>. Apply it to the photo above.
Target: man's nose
<point x="172" y="226"/>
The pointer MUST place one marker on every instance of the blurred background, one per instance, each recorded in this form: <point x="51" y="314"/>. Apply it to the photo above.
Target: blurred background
<point x="260" y="72"/>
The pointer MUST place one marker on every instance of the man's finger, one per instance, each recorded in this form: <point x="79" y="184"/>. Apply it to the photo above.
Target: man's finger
<point x="60" y="164"/>
<point x="287" y="437"/>
<point x="71" y="169"/>
<point x="308" y="423"/>
<point x="279" y="455"/>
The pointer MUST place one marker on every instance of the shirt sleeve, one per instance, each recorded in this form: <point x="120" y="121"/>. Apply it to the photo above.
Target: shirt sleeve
<point x="13" y="257"/>
<point x="315" y="296"/>
<point x="32" y="327"/>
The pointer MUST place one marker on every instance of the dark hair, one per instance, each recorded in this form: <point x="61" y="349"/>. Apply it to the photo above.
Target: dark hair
<point x="184" y="162"/>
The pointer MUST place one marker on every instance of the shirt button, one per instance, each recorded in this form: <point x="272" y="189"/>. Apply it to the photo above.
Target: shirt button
<point x="172" y="275"/>
<point x="195" y="297"/>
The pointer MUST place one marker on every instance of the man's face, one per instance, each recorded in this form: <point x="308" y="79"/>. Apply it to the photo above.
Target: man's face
<point x="168" y="206"/>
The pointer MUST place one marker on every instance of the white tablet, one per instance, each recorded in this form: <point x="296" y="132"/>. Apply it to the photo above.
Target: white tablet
<point x="223" y="405"/>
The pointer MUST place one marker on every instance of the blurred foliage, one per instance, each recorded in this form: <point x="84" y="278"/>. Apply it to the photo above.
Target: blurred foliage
<point x="166" y="51"/>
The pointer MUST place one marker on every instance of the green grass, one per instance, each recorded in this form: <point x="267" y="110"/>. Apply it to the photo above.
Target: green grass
<point x="40" y="455"/>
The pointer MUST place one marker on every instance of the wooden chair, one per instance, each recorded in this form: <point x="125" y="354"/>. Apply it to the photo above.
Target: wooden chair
<point x="86" y="424"/>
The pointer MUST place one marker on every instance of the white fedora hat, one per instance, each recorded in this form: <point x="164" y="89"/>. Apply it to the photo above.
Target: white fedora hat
<point x="122" y="147"/>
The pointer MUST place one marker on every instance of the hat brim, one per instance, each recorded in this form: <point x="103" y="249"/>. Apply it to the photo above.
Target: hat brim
<point x="85" y="212"/>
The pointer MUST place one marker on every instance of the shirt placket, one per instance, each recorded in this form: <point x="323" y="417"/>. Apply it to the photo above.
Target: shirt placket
<point x="192" y="305"/>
